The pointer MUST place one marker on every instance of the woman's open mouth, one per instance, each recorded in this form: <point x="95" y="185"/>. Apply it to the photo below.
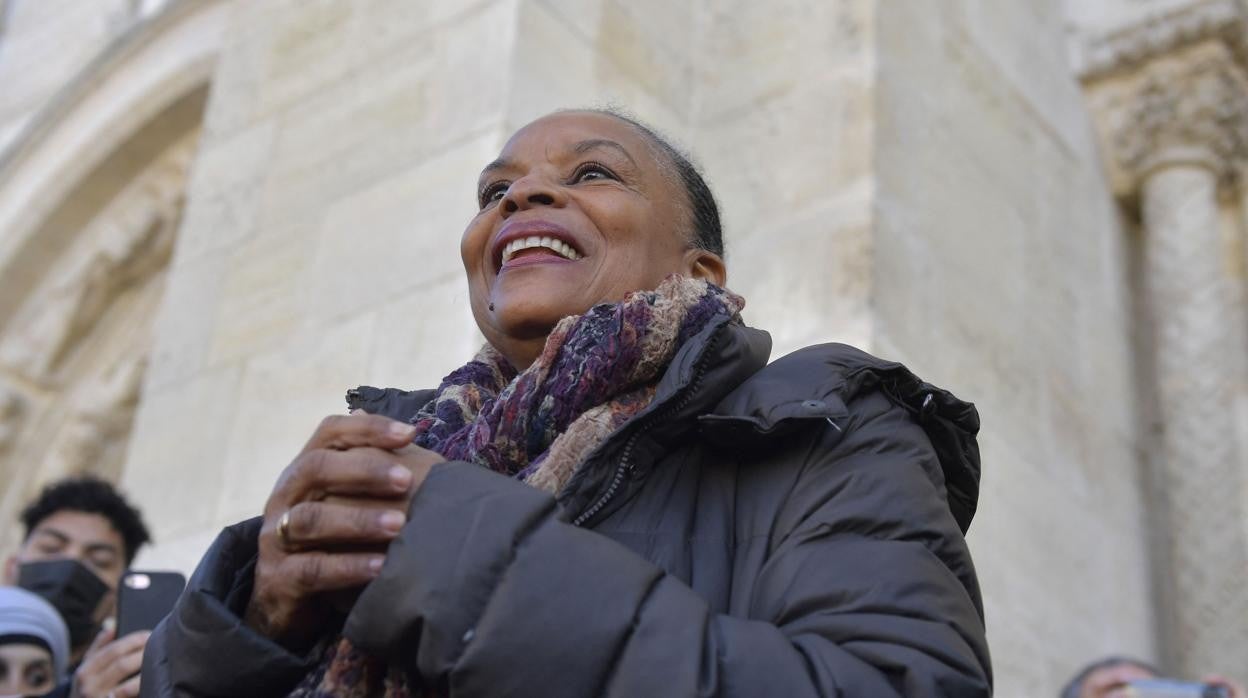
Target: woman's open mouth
<point x="534" y="242"/>
<point x="533" y="247"/>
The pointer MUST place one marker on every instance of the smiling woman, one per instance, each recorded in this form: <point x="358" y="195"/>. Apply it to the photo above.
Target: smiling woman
<point x="597" y="184"/>
<point x="617" y="496"/>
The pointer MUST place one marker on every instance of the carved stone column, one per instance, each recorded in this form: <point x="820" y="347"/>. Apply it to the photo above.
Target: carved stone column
<point x="1175" y="125"/>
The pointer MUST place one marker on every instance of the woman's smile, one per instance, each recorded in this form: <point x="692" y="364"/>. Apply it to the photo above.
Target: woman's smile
<point x="536" y="241"/>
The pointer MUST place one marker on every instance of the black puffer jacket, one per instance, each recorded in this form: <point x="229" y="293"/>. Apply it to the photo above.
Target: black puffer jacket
<point x="790" y="530"/>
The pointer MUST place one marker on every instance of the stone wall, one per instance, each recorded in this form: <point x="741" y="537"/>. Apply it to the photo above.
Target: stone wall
<point x="43" y="44"/>
<point x="1000" y="271"/>
<point x="918" y="179"/>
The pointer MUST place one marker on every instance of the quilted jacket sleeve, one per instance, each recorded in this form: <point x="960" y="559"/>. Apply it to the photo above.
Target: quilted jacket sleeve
<point x="868" y="590"/>
<point x="202" y="649"/>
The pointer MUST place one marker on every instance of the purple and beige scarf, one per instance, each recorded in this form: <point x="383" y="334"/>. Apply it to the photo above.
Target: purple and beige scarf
<point x="596" y="372"/>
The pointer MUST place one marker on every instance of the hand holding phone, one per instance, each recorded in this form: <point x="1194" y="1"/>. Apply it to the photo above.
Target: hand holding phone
<point x="1170" y="688"/>
<point x="145" y="598"/>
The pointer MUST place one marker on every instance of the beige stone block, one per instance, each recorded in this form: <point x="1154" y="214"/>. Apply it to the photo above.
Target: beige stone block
<point x="751" y="52"/>
<point x="1022" y="44"/>
<point x="226" y="179"/>
<point x="1107" y="15"/>
<point x="645" y="42"/>
<point x="238" y="81"/>
<point x="277" y="54"/>
<point x="180" y="553"/>
<point x="178" y="452"/>
<point x="45" y="44"/>
<point x="397" y="235"/>
<point x="422" y="336"/>
<point x="186" y="321"/>
<point x="261" y="302"/>
<point x="668" y="26"/>
<point x="285" y="392"/>
<point x="807" y="279"/>
<point x="394" y="26"/>
<point x="821" y="136"/>
<point x="556" y="67"/>
<point x="308" y="44"/>
<point x="410" y="106"/>
<point x="1084" y="577"/>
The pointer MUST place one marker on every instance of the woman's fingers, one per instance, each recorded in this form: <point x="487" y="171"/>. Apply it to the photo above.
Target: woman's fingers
<point x="129" y="689"/>
<point x="348" y="488"/>
<point x="365" y="472"/>
<point x="321" y="524"/>
<point x="342" y="431"/>
<point x="284" y="601"/>
<point x="316" y="572"/>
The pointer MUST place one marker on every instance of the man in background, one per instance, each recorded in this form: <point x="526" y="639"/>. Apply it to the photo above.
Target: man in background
<point x="1109" y="677"/>
<point x="80" y="536"/>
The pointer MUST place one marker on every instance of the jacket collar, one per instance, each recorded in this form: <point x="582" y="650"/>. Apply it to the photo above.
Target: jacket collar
<point x="720" y="381"/>
<point x="816" y="383"/>
<point x="704" y="369"/>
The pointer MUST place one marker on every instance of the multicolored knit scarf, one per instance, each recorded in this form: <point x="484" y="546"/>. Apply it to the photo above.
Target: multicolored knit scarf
<point x="596" y="372"/>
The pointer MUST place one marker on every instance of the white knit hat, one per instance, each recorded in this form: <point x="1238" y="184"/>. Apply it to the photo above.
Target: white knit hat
<point x="24" y="613"/>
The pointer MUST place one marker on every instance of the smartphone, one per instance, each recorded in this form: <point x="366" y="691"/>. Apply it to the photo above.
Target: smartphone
<point x="1169" y="688"/>
<point x="145" y="598"/>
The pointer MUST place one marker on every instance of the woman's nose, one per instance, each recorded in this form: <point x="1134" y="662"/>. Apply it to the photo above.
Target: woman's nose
<point x="530" y="192"/>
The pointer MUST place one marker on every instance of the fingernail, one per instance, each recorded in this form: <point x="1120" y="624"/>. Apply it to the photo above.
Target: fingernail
<point x="392" y="521"/>
<point x="374" y="564"/>
<point x="399" y="430"/>
<point x="401" y="478"/>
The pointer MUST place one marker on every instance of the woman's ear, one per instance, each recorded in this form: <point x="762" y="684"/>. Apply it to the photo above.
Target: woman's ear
<point x="703" y="264"/>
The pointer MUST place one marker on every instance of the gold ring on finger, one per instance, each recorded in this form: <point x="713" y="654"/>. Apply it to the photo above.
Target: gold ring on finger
<point x="283" y="529"/>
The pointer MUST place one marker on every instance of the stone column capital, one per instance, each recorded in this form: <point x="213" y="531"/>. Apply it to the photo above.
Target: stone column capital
<point x="1177" y="94"/>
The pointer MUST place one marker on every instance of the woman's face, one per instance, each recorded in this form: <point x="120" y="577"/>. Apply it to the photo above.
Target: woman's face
<point x="577" y="210"/>
<point x="25" y="669"/>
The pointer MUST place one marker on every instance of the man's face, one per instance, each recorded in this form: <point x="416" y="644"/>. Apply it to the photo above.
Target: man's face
<point x="1110" y="681"/>
<point x="76" y="535"/>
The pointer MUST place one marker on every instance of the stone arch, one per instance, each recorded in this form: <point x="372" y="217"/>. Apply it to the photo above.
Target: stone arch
<point x="91" y="197"/>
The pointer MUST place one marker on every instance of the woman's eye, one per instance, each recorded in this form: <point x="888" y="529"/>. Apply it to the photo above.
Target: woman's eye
<point x="493" y="193"/>
<point x="38" y="677"/>
<point x="591" y="172"/>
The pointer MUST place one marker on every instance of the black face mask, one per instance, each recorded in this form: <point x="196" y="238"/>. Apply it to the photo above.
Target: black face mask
<point x="73" y="589"/>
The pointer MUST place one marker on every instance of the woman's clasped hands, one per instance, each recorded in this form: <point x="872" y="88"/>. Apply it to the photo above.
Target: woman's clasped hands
<point x="328" y="521"/>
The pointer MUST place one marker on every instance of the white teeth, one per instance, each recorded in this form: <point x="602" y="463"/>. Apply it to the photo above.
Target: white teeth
<point x="560" y="247"/>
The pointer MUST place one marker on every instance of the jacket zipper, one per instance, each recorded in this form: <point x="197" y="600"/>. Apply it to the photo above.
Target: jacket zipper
<point x="625" y="466"/>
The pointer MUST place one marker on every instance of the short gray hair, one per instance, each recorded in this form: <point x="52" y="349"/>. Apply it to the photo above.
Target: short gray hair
<point x="1075" y="685"/>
